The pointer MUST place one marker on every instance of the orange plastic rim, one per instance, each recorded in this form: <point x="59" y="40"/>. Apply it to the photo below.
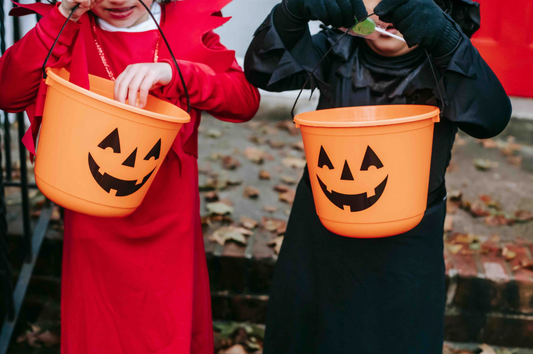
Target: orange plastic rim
<point x="369" y="166"/>
<point x="367" y="116"/>
<point x="98" y="156"/>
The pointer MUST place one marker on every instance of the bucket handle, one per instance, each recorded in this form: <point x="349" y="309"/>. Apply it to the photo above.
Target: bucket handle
<point x="185" y="90"/>
<point x="333" y="46"/>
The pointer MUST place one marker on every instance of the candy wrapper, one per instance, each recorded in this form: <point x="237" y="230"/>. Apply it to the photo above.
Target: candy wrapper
<point x="370" y="29"/>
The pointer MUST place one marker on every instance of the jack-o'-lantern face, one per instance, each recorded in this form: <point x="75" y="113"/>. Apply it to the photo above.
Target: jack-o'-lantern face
<point x="123" y="187"/>
<point x="359" y="201"/>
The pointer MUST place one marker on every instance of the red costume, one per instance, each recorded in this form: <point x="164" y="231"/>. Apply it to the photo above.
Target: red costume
<point x="138" y="284"/>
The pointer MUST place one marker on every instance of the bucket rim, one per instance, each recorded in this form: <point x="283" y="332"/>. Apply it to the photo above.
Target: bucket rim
<point x="433" y="114"/>
<point x="52" y="75"/>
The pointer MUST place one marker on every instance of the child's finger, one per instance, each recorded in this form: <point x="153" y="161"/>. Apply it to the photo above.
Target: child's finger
<point x="133" y="87"/>
<point x="147" y="84"/>
<point x="122" y="84"/>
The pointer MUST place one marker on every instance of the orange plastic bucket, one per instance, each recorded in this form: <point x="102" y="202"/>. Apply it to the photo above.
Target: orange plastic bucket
<point x="369" y="166"/>
<point x="98" y="156"/>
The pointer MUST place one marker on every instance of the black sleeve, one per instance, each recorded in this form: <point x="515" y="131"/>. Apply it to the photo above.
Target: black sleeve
<point x="269" y="64"/>
<point x="474" y="97"/>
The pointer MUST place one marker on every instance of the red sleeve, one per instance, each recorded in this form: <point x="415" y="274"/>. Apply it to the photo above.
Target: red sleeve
<point x="228" y="96"/>
<point x="20" y="66"/>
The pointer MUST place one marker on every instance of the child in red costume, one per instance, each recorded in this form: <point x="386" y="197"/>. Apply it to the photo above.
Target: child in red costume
<point x="137" y="284"/>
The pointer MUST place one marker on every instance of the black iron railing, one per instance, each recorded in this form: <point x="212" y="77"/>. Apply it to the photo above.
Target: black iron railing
<point x="14" y="290"/>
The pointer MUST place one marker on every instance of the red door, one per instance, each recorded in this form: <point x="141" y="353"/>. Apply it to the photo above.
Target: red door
<point x="505" y="41"/>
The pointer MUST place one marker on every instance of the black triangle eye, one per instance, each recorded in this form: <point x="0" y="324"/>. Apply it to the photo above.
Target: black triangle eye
<point x="323" y="159"/>
<point x="370" y="159"/>
<point x="155" y="152"/>
<point x="130" y="161"/>
<point x="111" y="141"/>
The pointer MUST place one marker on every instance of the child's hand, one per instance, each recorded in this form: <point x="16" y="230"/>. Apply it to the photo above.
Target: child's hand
<point x="66" y="7"/>
<point x="338" y="13"/>
<point x="139" y="80"/>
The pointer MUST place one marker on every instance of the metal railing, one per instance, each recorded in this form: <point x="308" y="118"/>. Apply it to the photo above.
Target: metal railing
<point x="15" y="289"/>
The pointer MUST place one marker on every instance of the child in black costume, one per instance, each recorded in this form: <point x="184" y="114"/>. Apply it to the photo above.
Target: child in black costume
<point x="334" y="294"/>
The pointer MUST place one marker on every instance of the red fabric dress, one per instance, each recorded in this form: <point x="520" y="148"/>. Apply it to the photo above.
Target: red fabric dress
<point x="137" y="284"/>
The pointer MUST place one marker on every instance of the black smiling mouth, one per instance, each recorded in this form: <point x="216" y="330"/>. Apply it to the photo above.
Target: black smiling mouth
<point x="107" y="182"/>
<point x="356" y="202"/>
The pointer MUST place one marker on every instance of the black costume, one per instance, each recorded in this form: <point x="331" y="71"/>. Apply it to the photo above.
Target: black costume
<point x="333" y="294"/>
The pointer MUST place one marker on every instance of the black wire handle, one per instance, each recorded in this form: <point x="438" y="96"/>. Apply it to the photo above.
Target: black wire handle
<point x="185" y="90"/>
<point x="320" y="62"/>
<point x="57" y="38"/>
<point x="333" y="46"/>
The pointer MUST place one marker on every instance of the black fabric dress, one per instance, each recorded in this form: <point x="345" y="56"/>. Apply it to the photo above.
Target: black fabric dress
<point x="332" y="294"/>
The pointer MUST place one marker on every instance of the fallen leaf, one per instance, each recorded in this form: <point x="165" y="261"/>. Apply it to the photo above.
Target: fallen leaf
<point x="247" y="222"/>
<point x="219" y="208"/>
<point x="508" y="254"/>
<point x="288" y="196"/>
<point x="281" y="188"/>
<point x="478" y="208"/>
<point x="236" y="349"/>
<point x="298" y="146"/>
<point x="515" y="160"/>
<point x="454" y="249"/>
<point x="527" y="263"/>
<point x="288" y="126"/>
<point x="485" y="165"/>
<point x="523" y="215"/>
<point x="448" y="223"/>
<point x="273" y="225"/>
<point x="254" y="154"/>
<point x="452" y="167"/>
<point x="277" y="243"/>
<point x="230" y="163"/>
<point x="257" y="139"/>
<point x="226" y="201"/>
<point x="497" y="220"/>
<point x="294" y="162"/>
<point x="488" y="143"/>
<point x="486" y="349"/>
<point x="234" y="181"/>
<point x="456" y="196"/>
<point x="230" y="233"/>
<point x="288" y="179"/>
<point x="211" y="196"/>
<point x="214" y="133"/>
<point x="270" y="209"/>
<point x="263" y="174"/>
<point x="276" y="144"/>
<point x="251" y="192"/>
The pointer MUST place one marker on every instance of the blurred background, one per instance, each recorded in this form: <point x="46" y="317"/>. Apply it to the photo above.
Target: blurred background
<point x="251" y="171"/>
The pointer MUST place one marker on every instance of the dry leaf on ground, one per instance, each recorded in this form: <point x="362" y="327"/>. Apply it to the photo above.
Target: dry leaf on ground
<point x="273" y="225"/>
<point x="270" y="208"/>
<point x="448" y="223"/>
<point x="294" y="162"/>
<point x="247" y="222"/>
<point x="236" y="349"/>
<point x="288" y="179"/>
<point x="251" y="192"/>
<point x="277" y="242"/>
<point x="276" y="144"/>
<point x="298" y="146"/>
<point x="288" y="196"/>
<point x="230" y="233"/>
<point x="219" y="208"/>
<point x="484" y="164"/>
<point x="486" y="349"/>
<point x="211" y="196"/>
<point x="254" y="154"/>
<point x="523" y="215"/>
<point x="280" y="188"/>
<point x="214" y="133"/>
<point x="264" y="175"/>
<point x="230" y="163"/>
<point x="508" y="254"/>
<point x="488" y="143"/>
